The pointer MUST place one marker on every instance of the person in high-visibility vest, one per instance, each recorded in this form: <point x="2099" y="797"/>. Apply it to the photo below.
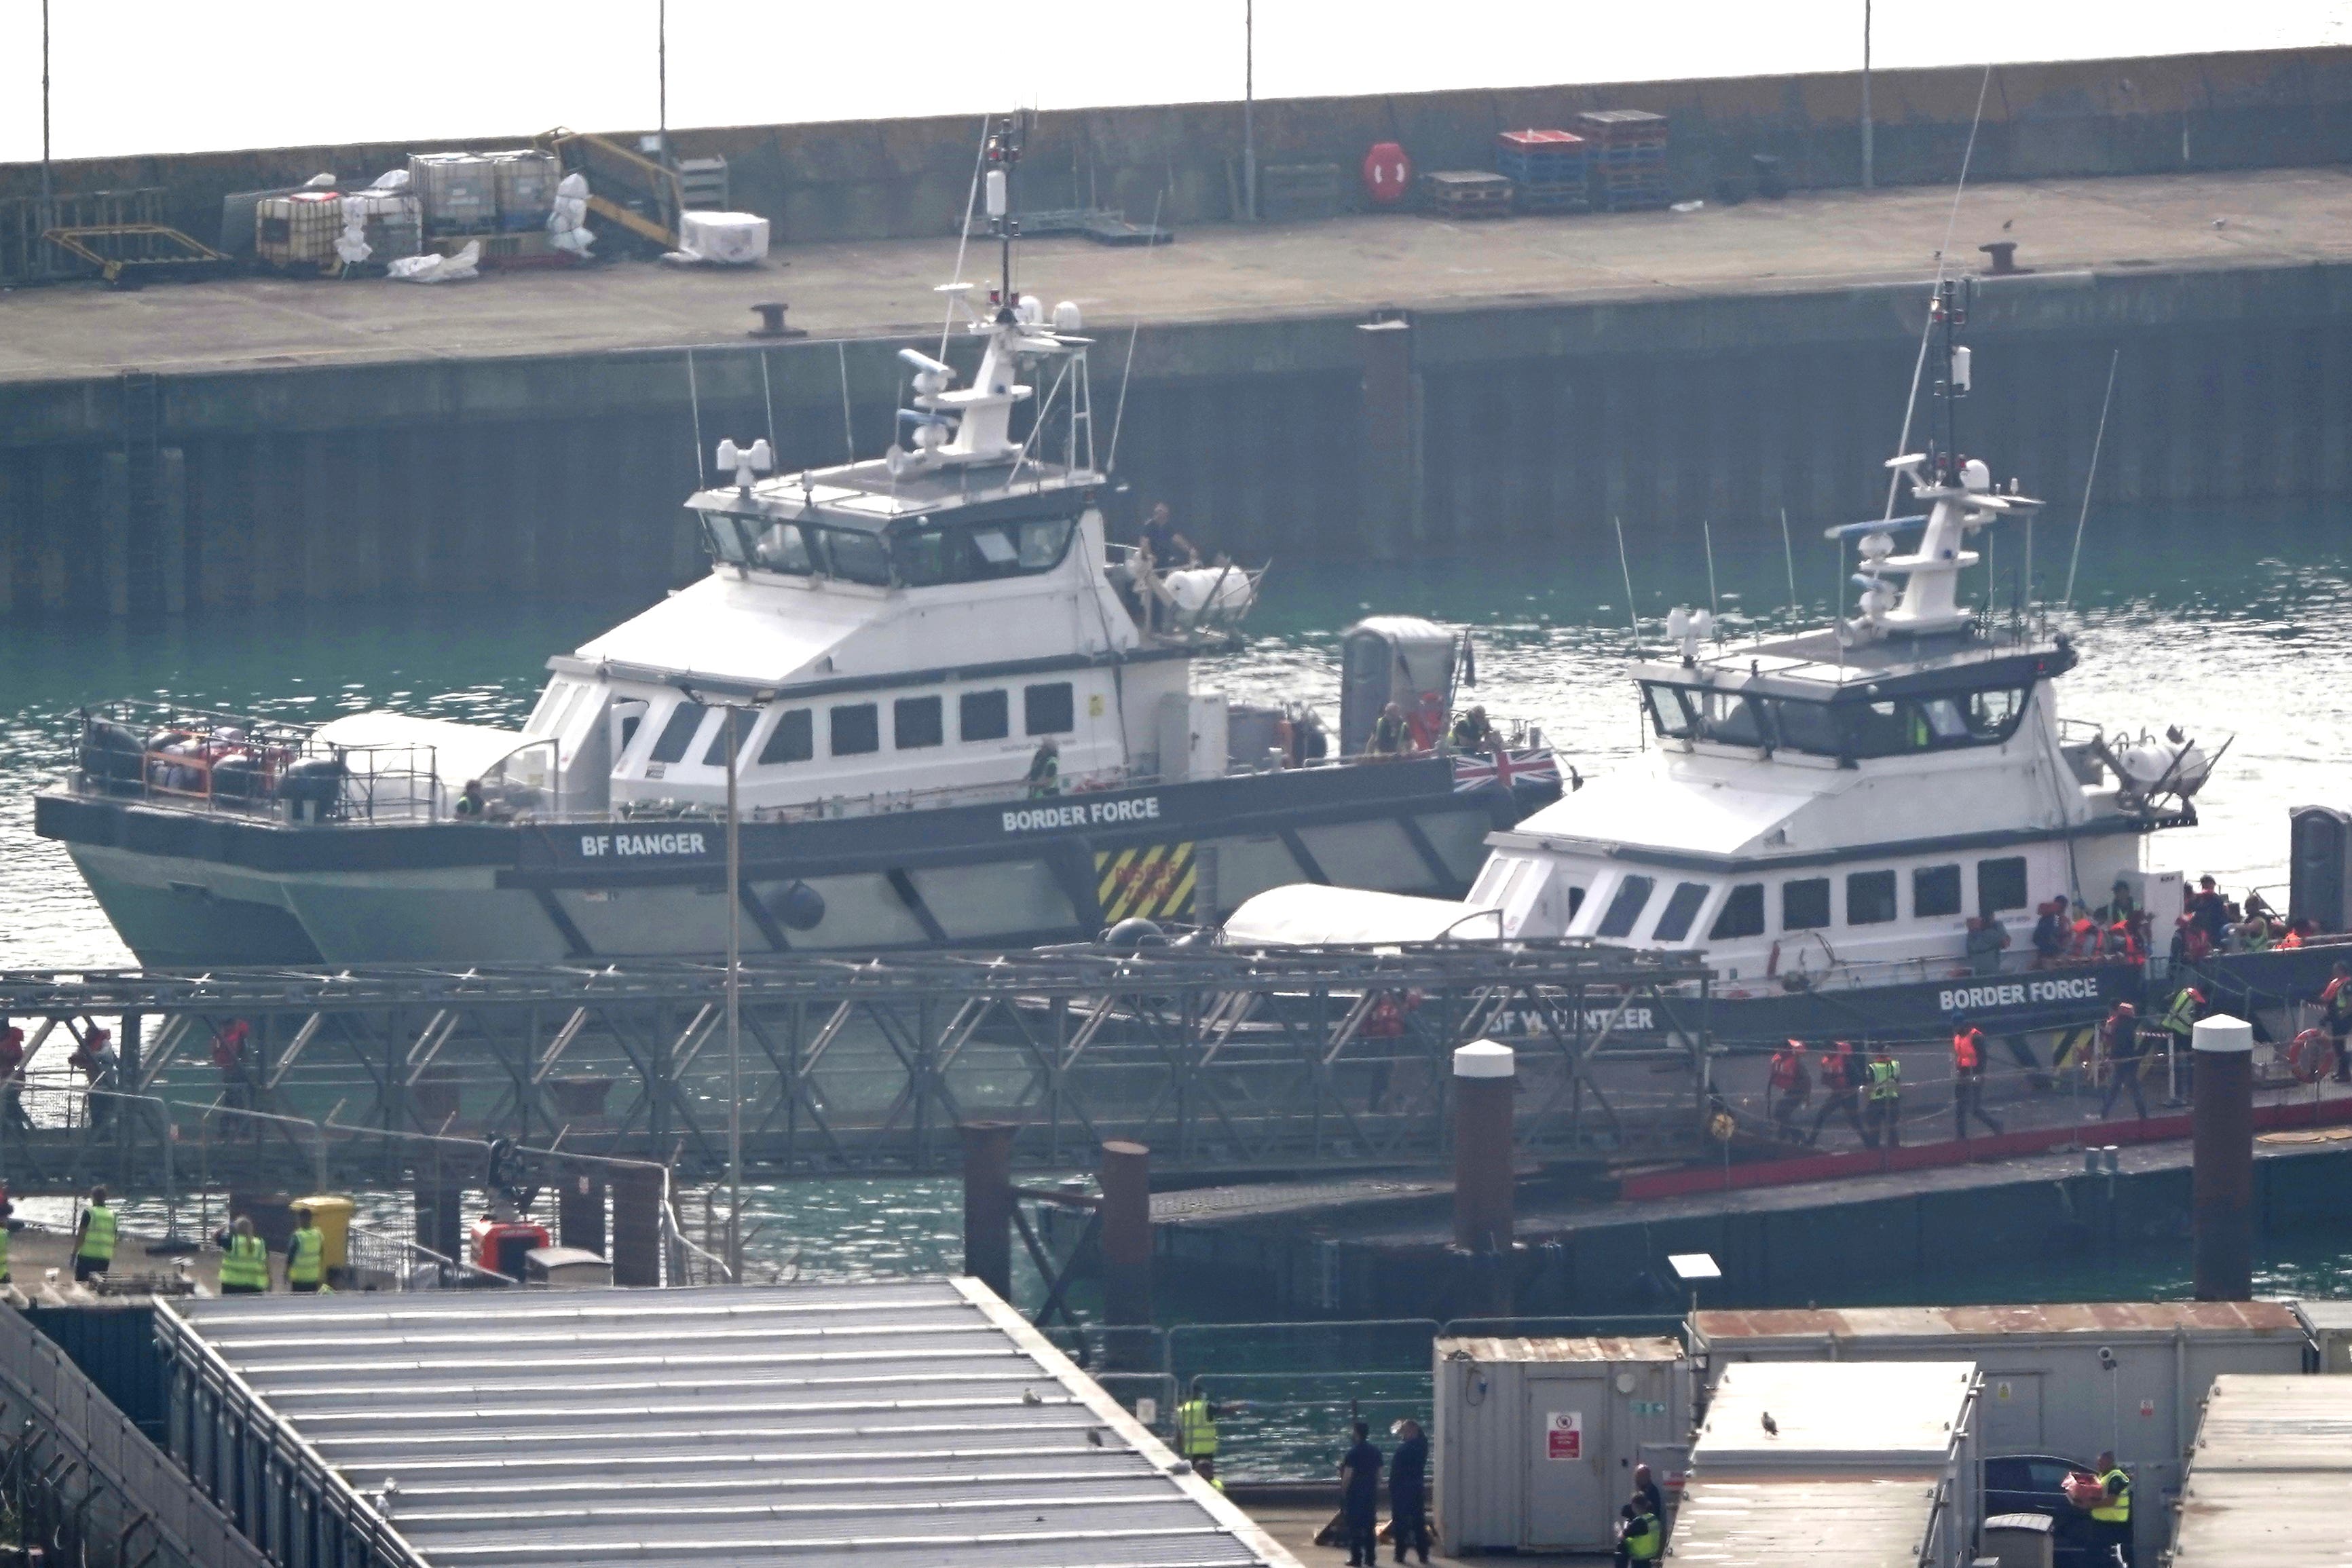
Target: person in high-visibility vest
<point x="2111" y="1516"/>
<point x="244" y="1261"/>
<point x="1643" y="1537"/>
<point x="1196" y="1431"/>
<point x="94" y="1236"/>
<point x="2180" y="1023"/>
<point x="1885" y="1097"/>
<point x="1969" y="1077"/>
<point x="306" y="1255"/>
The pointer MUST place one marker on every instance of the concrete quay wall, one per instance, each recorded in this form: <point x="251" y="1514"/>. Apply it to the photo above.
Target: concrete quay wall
<point x="910" y="177"/>
<point x="1526" y="424"/>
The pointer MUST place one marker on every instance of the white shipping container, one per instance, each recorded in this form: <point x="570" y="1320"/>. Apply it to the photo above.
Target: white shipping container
<point x="2329" y="1325"/>
<point x="2268" y="1475"/>
<point x="2061" y="1380"/>
<point x="1858" y="1465"/>
<point x="1537" y="1439"/>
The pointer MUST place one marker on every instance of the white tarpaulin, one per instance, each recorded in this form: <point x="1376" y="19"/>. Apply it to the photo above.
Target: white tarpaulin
<point x="567" y="225"/>
<point x="729" y="239"/>
<point x="403" y="754"/>
<point x="1308" y="914"/>
<point x="438" y="269"/>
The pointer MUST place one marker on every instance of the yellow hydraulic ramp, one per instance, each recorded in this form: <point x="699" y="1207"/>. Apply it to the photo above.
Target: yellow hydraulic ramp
<point x="613" y="169"/>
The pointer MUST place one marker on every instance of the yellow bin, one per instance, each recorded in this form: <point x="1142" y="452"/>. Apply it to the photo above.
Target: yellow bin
<point x="332" y="1216"/>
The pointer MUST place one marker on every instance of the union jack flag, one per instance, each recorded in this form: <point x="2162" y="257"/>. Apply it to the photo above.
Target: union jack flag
<point x="1505" y="770"/>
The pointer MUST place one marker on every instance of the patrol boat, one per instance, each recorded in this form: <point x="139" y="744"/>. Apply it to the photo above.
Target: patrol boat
<point x="1822" y="814"/>
<point x="956" y="715"/>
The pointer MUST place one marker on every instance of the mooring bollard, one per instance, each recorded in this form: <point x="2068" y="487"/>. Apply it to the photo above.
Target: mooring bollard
<point x="2222" y="1051"/>
<point x="1486" y="1078"/>
<point x="988" y="1204"/>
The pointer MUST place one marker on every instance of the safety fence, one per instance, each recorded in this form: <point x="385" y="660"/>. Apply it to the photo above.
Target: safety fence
<point x="1284" y="1394"/>
<point x="80" y="1484"/>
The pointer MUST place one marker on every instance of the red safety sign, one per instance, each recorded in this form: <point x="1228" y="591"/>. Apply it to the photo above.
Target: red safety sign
<point x="1564" y="1435"/>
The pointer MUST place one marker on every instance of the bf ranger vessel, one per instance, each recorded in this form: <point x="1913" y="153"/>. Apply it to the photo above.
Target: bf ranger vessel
<point x="951" y="712"/>
<point x="1846" y="822"/>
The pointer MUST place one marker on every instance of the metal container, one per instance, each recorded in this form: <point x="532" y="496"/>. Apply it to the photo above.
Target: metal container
<point x="459" y="191"/>
<point x="2060" y="1380"/>
<point x="526" y="188"/>
<point x="2329" y="1326"/>
<point x="2268" y="1475"/>
<point x="299" y="230"/>
<point x="2019" y="1540"/>
<point x="1879" y="1459"/>
<point x="1537" y="1439"/>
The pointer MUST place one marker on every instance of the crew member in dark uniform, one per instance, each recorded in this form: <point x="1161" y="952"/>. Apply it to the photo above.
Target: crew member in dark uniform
<point x="1409" y="1491"/>
<point x="1359" y="1500"/>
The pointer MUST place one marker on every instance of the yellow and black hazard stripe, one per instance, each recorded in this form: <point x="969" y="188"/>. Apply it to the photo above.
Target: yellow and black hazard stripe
<point x="2071" y="1047"/>
<point x="1153" y="881"/>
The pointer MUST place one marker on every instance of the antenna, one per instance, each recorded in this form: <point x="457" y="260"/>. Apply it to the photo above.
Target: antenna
<point x="2088" y="479"/>
<point x="1788" y="559"/>
<point x="1632" y="614"/>
<point x="767" y="395"/>
<point x="848" y="439"/>
<point x="964" y="235"/>
<point x="1118" y="415"/>
<point x="1002" y="152"/>
<point x="694" y="401"/>
<point x="1927" y="327"/>
<point x="1714" y="604"/>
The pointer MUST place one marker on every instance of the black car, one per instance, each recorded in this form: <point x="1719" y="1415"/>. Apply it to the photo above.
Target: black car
<point x="2036" y="1483"/>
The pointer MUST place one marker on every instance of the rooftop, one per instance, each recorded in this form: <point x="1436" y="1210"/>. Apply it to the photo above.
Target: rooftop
<point x="1839" y="1522"/>
<point x="1799" y="1414"/>
<point x="2108" y="1319"/>
<point x="916" y="1423"/>
<point x="2268" y="1474"/>
<point x="1606" y="1348"/>
<point x="1813" y="241"/>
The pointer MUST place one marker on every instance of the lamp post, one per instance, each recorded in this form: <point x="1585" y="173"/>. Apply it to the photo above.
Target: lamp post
<point x="734" y="1015"/>
<point x="48" y="219"/>
<point x="1867" y="181"/>
<point x="1249" y="108"/>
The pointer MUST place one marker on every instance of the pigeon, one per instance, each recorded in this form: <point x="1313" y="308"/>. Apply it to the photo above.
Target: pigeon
<point x="2220" y="221"/>
<point x="2005" y="224"/>
<point x="1094" y="1437"/>
<point x="1771" y="1426"/>
<point x="1179" y="1467"/>
<point x="1031" y="1396"/>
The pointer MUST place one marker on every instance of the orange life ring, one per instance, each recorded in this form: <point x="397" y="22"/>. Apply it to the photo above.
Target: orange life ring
<point x="2312" y="1057"/>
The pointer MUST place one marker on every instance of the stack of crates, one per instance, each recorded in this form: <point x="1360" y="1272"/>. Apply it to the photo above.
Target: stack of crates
<point x="299" y="230"/>
<point x="526" y="189"/>
<point x="1545" y="168"/>
<point x="459" y="191"/>
<point x="1626" y="158"/>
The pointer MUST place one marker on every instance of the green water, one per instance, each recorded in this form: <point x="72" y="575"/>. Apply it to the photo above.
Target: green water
<point x="2230" y="622"/>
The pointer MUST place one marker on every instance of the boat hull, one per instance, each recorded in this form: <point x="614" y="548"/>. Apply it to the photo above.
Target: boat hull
<point x="191" y="888"/>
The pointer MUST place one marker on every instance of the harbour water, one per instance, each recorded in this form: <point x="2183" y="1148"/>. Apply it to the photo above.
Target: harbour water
<point x="2230" y="620"/>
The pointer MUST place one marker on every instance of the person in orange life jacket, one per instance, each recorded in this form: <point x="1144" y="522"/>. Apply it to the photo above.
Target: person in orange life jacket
<point x="228" y="1059"/>
<point x="2189" y="942"/>
<point x="1385" y="1020"/>
<point x="1968" y="1075"/>
<point x="1842" y="1077"/>
<point x="2336" y="1005"/>
<point x="1791" y="1085"/>
<point x="2119" y="942"/>
<point x="11" y="1077"/>
<point x="2300" y="930"/>
<point x="2120" y="1050"/>
<point x="2082" y="934"/>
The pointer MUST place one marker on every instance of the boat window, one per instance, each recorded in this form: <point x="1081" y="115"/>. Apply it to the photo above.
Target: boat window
<point x="967" y="553"/>
<point x="1993" y="715"/>
<point x="793" y="740"/>
<point x="678" y="733"/>
<point x="1046" y="710"/>
<point x="982" y="716"/>
<point x="855" y="557"/>
<point x="1806" y="727"/>
<point x="1805" y="905"/>
<point x="627" y="714"/>
<point x="781" y="547"/>
<point x="915" y="722"/>
<point x="1936" y="890"/>
<point x="715" y="755"/>
<point x="856" y="729"/>
<point x="1730" y="718"/>
<point x="541" y="718"/>
<point x="723" y="533"/>
<point x="1668" y="711"/>
<point x="1633" y="894"/>
<point x="1944" y="720"/>
<point x="1742" y="914"/>
<point x="1674" y="923"/>
<point x="1887" y="729"/>
<point x="2001" y="884"/>
<point x="1490" y="874"/>
<point x="1869" y="897"/>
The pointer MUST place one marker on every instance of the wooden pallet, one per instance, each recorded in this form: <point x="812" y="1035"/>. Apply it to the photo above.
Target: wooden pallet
<point x="1466" y="194"/>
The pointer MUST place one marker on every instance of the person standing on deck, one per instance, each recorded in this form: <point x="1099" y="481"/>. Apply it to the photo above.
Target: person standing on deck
<point x="1409" y="1491"/>
<point x="1969" y="1077"/>
<point x="306" y="1255"/>
<point x="1842" y="1079"/>
<point x="2119" y="1052"/>
<point x="1885" y="1096"/>
<point x="1359" y="1500"/>
<point x="94" y="1237"/>
<point x="1791" y="1085"/>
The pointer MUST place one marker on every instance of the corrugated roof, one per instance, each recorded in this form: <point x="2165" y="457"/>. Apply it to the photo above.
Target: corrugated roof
<point x="1822" y="1521"/>
<point x="2267" y="1477"/>
<point x="1797" y="1413"/>
<point x="919" y="1424"/>
<point x="1496" y="1351"/>
<point x="2109" y="1318"/>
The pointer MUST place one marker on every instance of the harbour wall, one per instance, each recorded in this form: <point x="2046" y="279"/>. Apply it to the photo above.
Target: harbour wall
<point x="879" y="179"/>
<point x="1514" y="425"/>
